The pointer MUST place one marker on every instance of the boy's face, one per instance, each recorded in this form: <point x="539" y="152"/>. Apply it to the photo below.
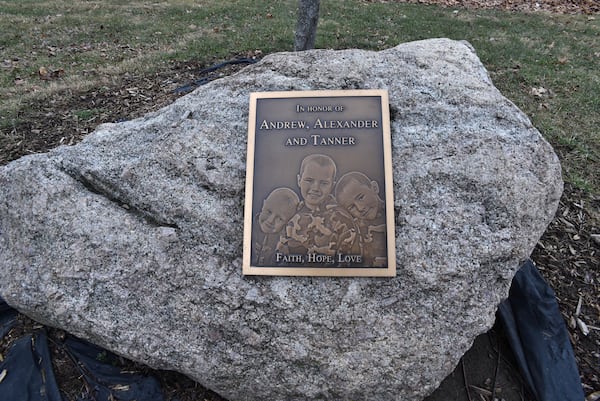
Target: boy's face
<point x="316" y="183"/>
<point x="362" y="201"/>
<point x="274" y="215"/>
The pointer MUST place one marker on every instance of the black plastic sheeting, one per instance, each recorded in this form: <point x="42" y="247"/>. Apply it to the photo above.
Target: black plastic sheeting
<point x="99" y="368"/>
<point x="7" y="318"/>
<point x="534" y="326"/>
<point x="193" y="85"/>
<point x="539" y="338"/>
<point x="27" y="373"/>
<point x="28" y="369"/>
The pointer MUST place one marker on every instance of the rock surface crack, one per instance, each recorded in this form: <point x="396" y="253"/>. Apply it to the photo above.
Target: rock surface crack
<point x="99" y="187"/>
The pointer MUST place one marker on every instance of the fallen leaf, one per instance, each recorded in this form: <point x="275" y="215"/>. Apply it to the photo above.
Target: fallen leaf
<point x="120" y="387"/>
<point x="46" y="74"/>
<point x="43" y="73"/>
<point x="57" y="73"/>
<point x="538" y="92"/>
<point x="582" y="326"/>
<point x="572" y="323"/>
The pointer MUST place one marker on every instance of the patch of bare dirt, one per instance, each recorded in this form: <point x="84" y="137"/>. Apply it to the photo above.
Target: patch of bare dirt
<point x="67" y="116"/>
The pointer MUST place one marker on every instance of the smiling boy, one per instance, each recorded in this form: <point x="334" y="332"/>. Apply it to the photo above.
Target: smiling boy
<point x="317" y="228"/>
<point x="277" y="209"/>
<point x="316" y="180"/>
<point x="359" y="195"/>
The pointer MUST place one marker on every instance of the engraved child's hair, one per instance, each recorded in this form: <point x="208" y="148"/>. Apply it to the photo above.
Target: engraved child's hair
<point x="348" y="177"/>
<point x="283" y="194"/>
<point x="321" y="160"/>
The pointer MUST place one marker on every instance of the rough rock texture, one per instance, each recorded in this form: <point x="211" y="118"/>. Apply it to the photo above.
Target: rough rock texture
<point x="133" y="238"/>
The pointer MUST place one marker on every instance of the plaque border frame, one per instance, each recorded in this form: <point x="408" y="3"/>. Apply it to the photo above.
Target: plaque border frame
<point x="390" y="271"/>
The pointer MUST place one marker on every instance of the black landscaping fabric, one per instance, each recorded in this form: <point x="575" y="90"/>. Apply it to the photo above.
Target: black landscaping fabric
<point x="531" y="318"/>
<point x="28" y="373"/>
<point x="539" y="338"/>
<point x="100" y="370"/>
<point x="7" y="318"/>
<point x="202" y="81"/>
<point x="27" y="370"/>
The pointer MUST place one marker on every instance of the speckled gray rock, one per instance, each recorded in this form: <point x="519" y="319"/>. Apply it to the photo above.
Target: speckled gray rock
<point x="133" y="238"/>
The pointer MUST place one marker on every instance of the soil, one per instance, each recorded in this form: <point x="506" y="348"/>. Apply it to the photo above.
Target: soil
<point x="568" y="255"/>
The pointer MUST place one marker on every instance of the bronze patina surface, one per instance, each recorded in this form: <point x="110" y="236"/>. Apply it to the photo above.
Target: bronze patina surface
<point x="319" y="198"/>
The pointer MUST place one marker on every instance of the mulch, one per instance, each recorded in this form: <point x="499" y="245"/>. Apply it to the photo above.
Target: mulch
<point x="551" y="6"/>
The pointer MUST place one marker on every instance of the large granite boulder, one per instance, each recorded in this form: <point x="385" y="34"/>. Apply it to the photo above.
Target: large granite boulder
<point x="132" y="239"/>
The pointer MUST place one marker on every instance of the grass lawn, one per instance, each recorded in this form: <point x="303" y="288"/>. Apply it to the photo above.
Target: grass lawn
<point x="547" y="64"/>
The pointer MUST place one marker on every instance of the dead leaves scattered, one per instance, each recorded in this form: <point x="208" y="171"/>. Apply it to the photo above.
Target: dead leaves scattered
<point x="538" y="92"/>
<point x="554" y="6"/>
<point x="47" y="74"/>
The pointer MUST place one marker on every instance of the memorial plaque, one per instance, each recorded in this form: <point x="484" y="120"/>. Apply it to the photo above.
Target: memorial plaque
<point x="319" y="192"/>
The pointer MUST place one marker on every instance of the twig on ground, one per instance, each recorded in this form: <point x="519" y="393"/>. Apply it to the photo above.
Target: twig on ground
<point x="462" y="363"/>
<point x="481" y="391"/>
<point x="593" y="396"/>
<point x="497" y="368"/>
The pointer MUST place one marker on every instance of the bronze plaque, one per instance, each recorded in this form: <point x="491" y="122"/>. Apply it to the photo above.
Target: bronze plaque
<point x="319" y="192"/>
